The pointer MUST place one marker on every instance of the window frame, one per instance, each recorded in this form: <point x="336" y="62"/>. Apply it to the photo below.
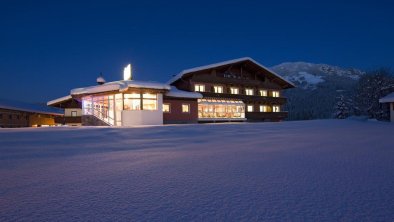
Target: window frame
<point x="275" y="93"/>
<point x="249" y="90"/>
<point x="263" y="108"/>
<point x="234" y="88"/>
<point x="275" y="110"/>
<point x="263" y="90"/>
<point x="169" y="107"/>
<point x="198" y="87"/>
<point x="215" y="87"/>
<point x="188" y="108"/>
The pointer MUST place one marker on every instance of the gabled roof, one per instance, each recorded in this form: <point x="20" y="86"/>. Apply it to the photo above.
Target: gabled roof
<point x="387" y="99"/>
<point x="59" y="100"/>
<point x="120" y="86"/>
<point x="31" y="108"/>
<point x="215" y="65"/>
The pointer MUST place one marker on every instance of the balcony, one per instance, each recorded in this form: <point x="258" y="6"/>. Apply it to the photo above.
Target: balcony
<point x="247" y="98"/>
<point x="68" y="119"/>
<point x="266" y="116"/>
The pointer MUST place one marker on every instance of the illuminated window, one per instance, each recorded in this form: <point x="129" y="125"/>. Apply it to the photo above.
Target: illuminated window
<point x="250" y="108"/>
<point x="263" y="108"/>
<point x="185" y="108"/>
<point x="132" y="101"/>
<point x="73" y="113"/>
<point x="249" y="92"/>
<point x="234" y="90"/>
<point x="218" y="89"/>
<point x="166" y="108"/>
<point x="199" y="88"/>
<point x="149" y="101"/>
<point x="275" y="109"/>
<point x="263" y="92"/>
<point x="275" y="93"/>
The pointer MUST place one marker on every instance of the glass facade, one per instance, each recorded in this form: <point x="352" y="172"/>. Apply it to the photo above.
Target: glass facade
<point x="100" y="106"/>
<point x="109" y="107"/>
<point x="220" y="109"/>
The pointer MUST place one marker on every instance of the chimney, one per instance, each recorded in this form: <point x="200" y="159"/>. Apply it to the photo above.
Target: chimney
<point x="100" y="80"/>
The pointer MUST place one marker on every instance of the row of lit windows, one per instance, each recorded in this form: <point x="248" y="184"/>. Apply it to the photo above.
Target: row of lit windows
<point x="132" y="101"/>
<point x="263" y="108"/>
<point x="167" y="108"/>
<point x="235" y="90"/>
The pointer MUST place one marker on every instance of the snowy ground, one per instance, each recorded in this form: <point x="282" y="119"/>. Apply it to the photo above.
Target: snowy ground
<point x="325" y="170"/>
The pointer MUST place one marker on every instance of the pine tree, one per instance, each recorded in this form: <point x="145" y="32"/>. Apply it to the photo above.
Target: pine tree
<point x="342" y="108"/>
<point x="370" y="88"/>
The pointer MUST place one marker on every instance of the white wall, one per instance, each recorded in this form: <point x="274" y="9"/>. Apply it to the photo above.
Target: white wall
<point x="144" y="117"/>
<point x="67" y="111"/>
<point x="392" y="112"/>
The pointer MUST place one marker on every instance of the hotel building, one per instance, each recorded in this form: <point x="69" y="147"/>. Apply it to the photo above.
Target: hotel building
<point x="235" y="90"/>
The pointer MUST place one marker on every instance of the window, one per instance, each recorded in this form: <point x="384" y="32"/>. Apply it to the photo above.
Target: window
<point x="275" y="109"/>
<point x="275" y="93"/>
<point x="199" y="88"/>
<point x="249" y="92"/>
<point x="149" y="101"/>
<point x="185" y="108"/>
<point x="250" y="108"/>
<point x="166" y="108"/>
<point x="215" y="108"/>
<point x="132" y="101"/>
<point x="234" y="90"/>
<point x="9" y="116"/>
<point x="218" y="89"/>
<point x="73" y="113"/>
<point x="263" y="108"/>
<point x="1" y="116"/>
<point x="263" y="92"/>
<point x="17" y="117"/>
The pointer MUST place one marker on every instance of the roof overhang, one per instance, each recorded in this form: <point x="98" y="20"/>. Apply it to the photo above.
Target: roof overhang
<point x="59" y="100"/>
<point x="285" y="83"/>
<point x="119" y="86"/>
<point x="387" y="99"/>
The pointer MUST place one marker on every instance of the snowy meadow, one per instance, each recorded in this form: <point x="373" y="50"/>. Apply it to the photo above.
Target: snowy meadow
<point x="322" y="170"/>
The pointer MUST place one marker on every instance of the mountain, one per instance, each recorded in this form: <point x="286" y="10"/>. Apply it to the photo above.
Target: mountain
<point x="318" y="88"/>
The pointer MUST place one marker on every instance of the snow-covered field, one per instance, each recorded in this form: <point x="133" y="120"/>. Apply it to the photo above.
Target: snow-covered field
<point x="324" y="170"/>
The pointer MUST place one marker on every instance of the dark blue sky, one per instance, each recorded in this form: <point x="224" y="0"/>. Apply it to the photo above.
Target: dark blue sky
<point x="50" y="47"/>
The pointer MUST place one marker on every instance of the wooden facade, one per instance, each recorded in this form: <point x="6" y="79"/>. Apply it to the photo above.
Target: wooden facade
<point x="242" y="75"/>
<point x="175" y="114"/>
<point x="14" y="118"/>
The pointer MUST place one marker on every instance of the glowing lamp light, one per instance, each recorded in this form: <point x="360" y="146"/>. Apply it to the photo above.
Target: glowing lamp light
<point x="127" y="72"/>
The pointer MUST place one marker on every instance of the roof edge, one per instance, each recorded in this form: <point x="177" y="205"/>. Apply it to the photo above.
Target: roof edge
<point x="199" y="68"/>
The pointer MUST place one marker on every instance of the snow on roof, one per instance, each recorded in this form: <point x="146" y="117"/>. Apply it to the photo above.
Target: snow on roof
<point x="387" y="99"/>
<point x="58" y="100"/>
<point x="27" y="107"/>
<point x="174" y="92"/>
<point x="180" y="75"/>
<point x="121" y="86"/>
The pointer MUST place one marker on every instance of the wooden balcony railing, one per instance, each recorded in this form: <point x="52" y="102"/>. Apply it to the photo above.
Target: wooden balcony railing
<point x="68" y="119"/>
<point x="266" y="116"/>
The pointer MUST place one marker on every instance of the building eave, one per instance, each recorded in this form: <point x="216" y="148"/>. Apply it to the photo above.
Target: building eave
<point x="228" y="62"/>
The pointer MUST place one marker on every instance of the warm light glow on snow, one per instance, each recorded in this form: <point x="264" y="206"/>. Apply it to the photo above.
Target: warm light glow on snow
<point x="127" y="72"/>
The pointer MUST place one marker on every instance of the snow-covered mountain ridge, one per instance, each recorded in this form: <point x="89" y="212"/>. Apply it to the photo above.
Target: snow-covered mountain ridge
<point x="318" y="88"/>
<point x="307" y="75"/>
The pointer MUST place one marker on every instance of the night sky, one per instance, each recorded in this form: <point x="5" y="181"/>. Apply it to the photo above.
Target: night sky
<point x="50" y="47"/>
